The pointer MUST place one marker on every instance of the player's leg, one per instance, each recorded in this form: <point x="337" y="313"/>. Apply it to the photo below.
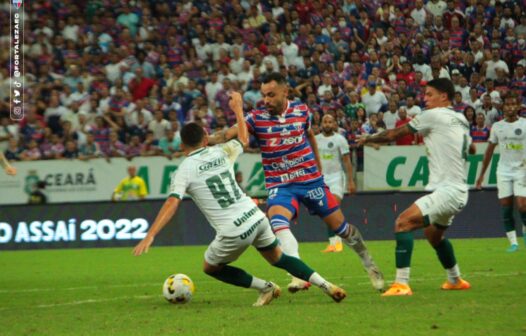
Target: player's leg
<point x="320" y="201"/>
<point x="282" y="208"/>
<point x="505" y="194"/>
<point x="267" y="245"/>
<point x="444" y="249"/>
<point x="335" y="242"/>
<point x="519" y="190"/>
<point x="225" y="250"/>
<point x="409" y="220"/>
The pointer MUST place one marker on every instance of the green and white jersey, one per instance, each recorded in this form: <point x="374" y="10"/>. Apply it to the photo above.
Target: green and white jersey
<point x="207" y="175"/>
<point x="332" y="149"/>
<point x="447" y="140"/>
<point x="511" y="138"/>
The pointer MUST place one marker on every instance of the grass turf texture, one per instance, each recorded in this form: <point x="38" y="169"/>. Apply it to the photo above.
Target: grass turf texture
<point x="110" y="292"/>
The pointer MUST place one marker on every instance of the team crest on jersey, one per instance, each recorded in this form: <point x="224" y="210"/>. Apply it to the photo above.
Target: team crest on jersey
<point x="285" y="132"/>
<point x="269" y="130"/>
<point x="297" y="113"/>
<point x="330" y="145"/>
<point x="518" y="131"/>
<point x="297" y="126"/>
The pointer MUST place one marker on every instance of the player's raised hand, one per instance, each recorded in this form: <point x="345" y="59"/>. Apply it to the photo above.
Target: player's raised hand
<point x="143" y="246"/>
<point x="235" y="102"/>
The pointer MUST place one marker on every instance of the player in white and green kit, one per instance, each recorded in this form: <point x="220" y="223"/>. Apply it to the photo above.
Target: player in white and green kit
<point x="207" y="175"/>
<point x="510" y="135"/>
<point x="446" y="136"/>
<point x="336" y="167"/>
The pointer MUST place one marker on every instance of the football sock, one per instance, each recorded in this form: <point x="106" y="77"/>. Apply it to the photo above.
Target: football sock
<point x="352" y="237"/>
<point x="509" y="223"/>
<point x="294" y="266"/>
<point x="453" y="274"/>
<point x="512" y="237"/>
<point x="402" y="275"/>
<point x="404" y="249"/>
<point x="234" y="276"/>
<point x="445" y="253"/>
<point x="288" y="242"/>
<point x="258" y="283"/>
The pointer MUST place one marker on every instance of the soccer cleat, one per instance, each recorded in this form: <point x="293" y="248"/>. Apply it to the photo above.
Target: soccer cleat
<point x="297" y="285"/>
<point x="338" y="247"/>
<point x="461" y="284"/>
<point x="398" y="289"/>
<point x="268" y="294"/>
<point x="335" y="292"/>
<point x="513" y="248"/>
<point x="329" y="248"/>
<point x="376" y="277"/>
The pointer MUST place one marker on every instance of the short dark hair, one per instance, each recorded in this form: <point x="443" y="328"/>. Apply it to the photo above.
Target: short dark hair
<point x="192" y="134"/>
<point x="443" y="85"/>
<point x="274" y="76"/>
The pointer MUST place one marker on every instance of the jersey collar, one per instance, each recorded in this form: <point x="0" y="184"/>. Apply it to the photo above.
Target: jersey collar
<point x="197" y="151"/>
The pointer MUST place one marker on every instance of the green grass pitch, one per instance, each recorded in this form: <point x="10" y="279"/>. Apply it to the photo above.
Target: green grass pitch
<point x="110" y="292"/>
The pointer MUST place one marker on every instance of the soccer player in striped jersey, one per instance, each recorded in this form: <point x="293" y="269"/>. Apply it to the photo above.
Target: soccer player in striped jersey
<point x="207" y="175"/>
<point x="510" y="135"/>
<point x="290" y="163"/>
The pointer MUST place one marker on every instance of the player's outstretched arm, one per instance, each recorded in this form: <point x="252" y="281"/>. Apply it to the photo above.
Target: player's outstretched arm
<point x="485" y="163"/>
<point x="223" y="136"/>
<point x="9" y="170"/>
<point x="163" y="217"/>
<point x="236" y="104"/>
<point x="386" y="136"/>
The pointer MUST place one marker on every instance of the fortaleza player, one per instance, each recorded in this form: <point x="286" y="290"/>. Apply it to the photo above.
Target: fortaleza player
<point x="446" y="136"/>
<point x="337" y="168"/>
<point x="510" y="135"/>
<point x="207" y="175"/>
<point x="290" y="163"/>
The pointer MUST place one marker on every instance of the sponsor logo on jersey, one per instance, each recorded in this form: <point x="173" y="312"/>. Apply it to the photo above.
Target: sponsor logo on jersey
<point x="287" y="164"/>
<point x="285" y="141"/>
<point x="293" y="175"/>
<point x="211" y="165"/>
<point x="246" y="216"/>
<point x="316" y="194"/>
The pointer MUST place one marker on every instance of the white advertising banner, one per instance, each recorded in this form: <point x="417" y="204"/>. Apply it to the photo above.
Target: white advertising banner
<point x="406" y="168"/>
<point x="95" y="180"/>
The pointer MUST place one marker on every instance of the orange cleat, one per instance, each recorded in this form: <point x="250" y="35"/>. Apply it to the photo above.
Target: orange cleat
<point x="460" y="285"/>
<point x="329" y="249"/>
<point x="398" y="289"/>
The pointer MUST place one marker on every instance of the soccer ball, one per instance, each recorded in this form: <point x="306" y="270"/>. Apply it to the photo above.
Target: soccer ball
<point x="178" y="288"/>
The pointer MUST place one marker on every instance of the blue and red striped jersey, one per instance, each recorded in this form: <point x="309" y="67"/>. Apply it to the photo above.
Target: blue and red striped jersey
<point x="286" y="152"/>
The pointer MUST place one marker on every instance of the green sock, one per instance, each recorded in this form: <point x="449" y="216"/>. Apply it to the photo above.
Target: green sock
<point x="507" y="218"/>
<point x="294" y="266"/>
<point x="234" y="276"/>
<point x="404" y="249"/>
<point x="445" y="254"/>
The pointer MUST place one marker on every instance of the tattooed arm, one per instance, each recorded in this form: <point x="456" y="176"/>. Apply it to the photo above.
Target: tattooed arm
<point x="387" y="135"/>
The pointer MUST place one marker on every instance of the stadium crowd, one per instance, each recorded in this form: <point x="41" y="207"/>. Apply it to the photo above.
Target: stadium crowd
<point x="118" y="79"/>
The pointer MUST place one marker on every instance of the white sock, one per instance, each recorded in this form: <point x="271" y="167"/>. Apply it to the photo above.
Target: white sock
<point x="288" y="242"/>
<point x="332" y="240"/>
<point x="337" y="240"/>
<point x="317" y="279"/>
<point x="453" y="274"/>
<point x="258" y="283"/>
<point x="402" y="275"/>
<point x="512" y="237"/>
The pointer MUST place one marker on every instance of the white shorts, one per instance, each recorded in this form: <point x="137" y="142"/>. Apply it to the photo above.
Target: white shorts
<point x="336" y="183"/>
<point x="441" y="206"/>
<point x="224" y="250"/>
<point x="511" y="185"/>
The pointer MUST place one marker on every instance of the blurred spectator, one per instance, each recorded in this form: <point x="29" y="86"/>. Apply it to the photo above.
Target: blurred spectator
<point x="90" y="149"/>
<point x="159" y="125"/>
<point x="131" y="187"/>
<point x="170" y="144"/>
<point x="480" y="132"/>
<point x="403" y="119"/>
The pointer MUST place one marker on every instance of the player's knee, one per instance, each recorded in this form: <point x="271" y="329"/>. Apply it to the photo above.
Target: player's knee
<point x="521" y="206"/>
<point x="211" y="269"/>
<point x="402" y="224"/>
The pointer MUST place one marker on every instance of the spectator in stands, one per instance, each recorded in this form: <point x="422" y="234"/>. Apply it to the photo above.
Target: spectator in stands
<point x="159" y="125"/>
<point x="13" y="151"/>
<point x="374" y="101"/>
<point x="170" y="144"/>
<point x="90" y="149"/>
<point x="31" y="153"/>
<point x="480" y="132"/>
<point x="70" y="151"/>
<point x="403" y="119"/>
<point x="469" y="113"/>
